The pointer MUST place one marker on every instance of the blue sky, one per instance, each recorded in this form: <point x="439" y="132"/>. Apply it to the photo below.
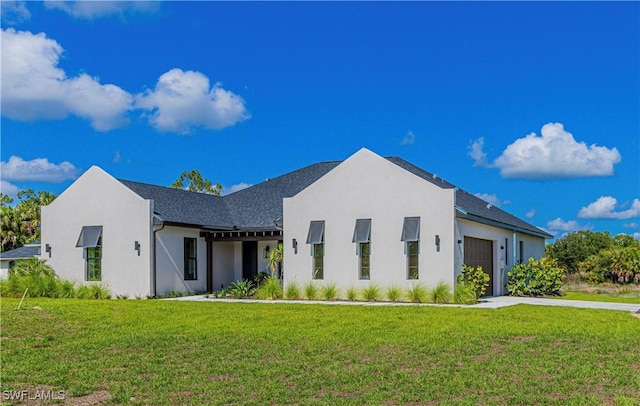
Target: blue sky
<point x="533" y="106"/>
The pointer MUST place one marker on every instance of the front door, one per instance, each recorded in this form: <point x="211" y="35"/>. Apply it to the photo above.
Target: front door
<point x="249" y="259"/>
<point x="478" y="252"/>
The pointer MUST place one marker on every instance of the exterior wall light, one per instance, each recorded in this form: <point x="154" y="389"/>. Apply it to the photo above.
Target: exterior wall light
<point x="437" y="242"/>
<point x="136" y="246"/>
<point x="265" y="252"/>
<point x="47" y="249"/>
<point x="295" y="246"/>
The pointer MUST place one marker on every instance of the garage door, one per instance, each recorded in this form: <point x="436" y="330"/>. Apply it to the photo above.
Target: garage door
<point x="478" y="252"/>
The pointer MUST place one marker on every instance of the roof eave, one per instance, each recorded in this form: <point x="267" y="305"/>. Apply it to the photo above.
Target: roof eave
<point x="478" y="219"/>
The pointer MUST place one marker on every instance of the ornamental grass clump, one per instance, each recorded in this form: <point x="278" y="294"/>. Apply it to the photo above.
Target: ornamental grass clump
<point x="371" y="293"/>
<point x="292" y="291"/>
<point x="330" y="291"/>
<point x="394" y="293"/>
<point x="269" y="289"/>
<point x="310" y="291"/>
<point x="441" y="294"/>
<point x="352" y="294"/>
<point x="417" y="293"/>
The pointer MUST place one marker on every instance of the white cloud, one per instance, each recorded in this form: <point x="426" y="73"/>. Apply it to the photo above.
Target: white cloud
<point x="530" y="213"/>
<point x="559" y="225"/>
<point x="37" y="170"/>
<point x="475" y="151"/>
<point x="553" y="155"/>
<point x="631" y="225"/>
<point x="605" y="208"/>
<point x="34" y="87"/>
<point x="237" y="187"/>
<point x="14" y="12"/>
<point x="9" y="189"/>
<point x="636" y="236"/>
<point x="183" y="100"/>
<point x="117" y="158"/>
<point x="408" y="139"/>
<point x="490" y="198"/>
<point x="89" y="10"/>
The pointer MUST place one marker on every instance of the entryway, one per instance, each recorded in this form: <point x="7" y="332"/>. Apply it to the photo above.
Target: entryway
<point x="479" y="252"/>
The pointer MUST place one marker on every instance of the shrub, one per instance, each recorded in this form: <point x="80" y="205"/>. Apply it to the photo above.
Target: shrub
<point x="576" y="247"/>
<point x="371" y="293"/>
<point x="417" y="293"/>
<point x="394" y="293"/>
<point x="619" y="264"/>
<point x="352" y="294"/>
<point x="310" y="291"/>
<point x="261" y="278"/>
<point x="269" y="289"/>
<point x="292" y="291"/>
<point x="440" y="294"/>
<point x="475" y="278"/>
<point x="67" y="289"/>
<point x="330" y="291"/>
<point x="241" y="288"/>
<point x="464" y="294"/>
<point x="538" y="277"/>
<point x="32" y="267"/>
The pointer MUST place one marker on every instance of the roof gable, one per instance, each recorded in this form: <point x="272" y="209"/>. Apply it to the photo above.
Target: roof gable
<point x="260" y="206"/>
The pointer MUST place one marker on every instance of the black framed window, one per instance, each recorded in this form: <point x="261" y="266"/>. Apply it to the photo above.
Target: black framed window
<point x="190" y="259"/>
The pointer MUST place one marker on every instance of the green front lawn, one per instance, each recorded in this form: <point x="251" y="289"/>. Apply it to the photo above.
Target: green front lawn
<point x="599" y="297"/>
<point x="167" y="352"/>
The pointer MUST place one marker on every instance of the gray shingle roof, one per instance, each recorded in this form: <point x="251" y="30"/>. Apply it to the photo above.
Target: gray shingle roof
<point x="259" y="206"/>
<point x="27" y="251"/>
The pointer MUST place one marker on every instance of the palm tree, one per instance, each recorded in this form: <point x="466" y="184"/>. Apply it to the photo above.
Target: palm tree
<point x="274" y="259"/>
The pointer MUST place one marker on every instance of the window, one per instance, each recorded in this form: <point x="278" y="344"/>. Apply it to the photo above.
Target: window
<point x="93" y="262"/>
<point x="362" y="237"/>
<point x="315" y="237"/>
<point x="364" y="265"/>
<point x="190" y="259"/>
<point x="521" y="257"/>
<point x="318" y="261"/>
<point x="90" y="240"/>
<point x="411" y="238"/>
<point x="413" y="251"/>
<point x="506" y="251"/>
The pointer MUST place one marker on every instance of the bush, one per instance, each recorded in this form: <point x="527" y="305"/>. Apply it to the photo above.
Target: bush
<point x="352" y="294"/>
<point x="32" y="267"/>
<point x="270" y="289"/>
<point x="292" y="291"/>
<point x="464" y="294"/>
<point x="371" y="293"/>
<point x="620" y="264"/>
<point x="394" y="293"/>
<point x="417" y="293"/>
<point x="241" y="289"/>
<point x="537" y="278"/>
<point x="475" y="279"/>
<point x="576" y="247"/>
<point x="440" y="294"/>
<point x="311" y="291"/>
<point x="330" y="291"/>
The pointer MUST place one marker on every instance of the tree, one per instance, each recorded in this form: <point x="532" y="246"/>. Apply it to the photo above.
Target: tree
<point x="275" y="258"/>
<point x="574" y="248"/>
<point x="20" y="223"/>
<point x="195" y="183"/>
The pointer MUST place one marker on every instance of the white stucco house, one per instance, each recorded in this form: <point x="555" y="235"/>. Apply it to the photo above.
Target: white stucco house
<point x="366" y="219"/>
<point x="9" y="258"/>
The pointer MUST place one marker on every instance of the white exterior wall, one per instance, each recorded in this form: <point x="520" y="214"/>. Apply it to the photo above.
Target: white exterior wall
<point x="4" y="268"/>
<point x="369" y="186"/>
<point x="98" y="199"/>
<point x="504" y="256"/>
<point x="170" y="260"/>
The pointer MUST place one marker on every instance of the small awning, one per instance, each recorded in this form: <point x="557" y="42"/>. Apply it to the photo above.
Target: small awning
<point x="316" y="232"/>
<point x="89" y="236"/>
<point x="362" y="232"/>
<point x="411" y="229"/>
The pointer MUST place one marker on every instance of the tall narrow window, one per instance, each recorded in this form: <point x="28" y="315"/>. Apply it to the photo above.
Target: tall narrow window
<point x="190" y="259"/>
<point x="506" y="251"/>
<point x="521" y="252"/>
<point x="411" y="238"/>
<point x="90" y="240"/>
<point x="362" y="237"/>
<point x="315" y="237"/>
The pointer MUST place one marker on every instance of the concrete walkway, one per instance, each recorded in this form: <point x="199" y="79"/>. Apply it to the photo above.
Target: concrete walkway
<point x="486" y="303"/>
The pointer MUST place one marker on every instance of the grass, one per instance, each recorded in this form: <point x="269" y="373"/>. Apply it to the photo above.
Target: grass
<point x="371" y="293"/>
<point x="575" y="288"/>
<point x="330" y="291"/>
<point x="166" y="352"/>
